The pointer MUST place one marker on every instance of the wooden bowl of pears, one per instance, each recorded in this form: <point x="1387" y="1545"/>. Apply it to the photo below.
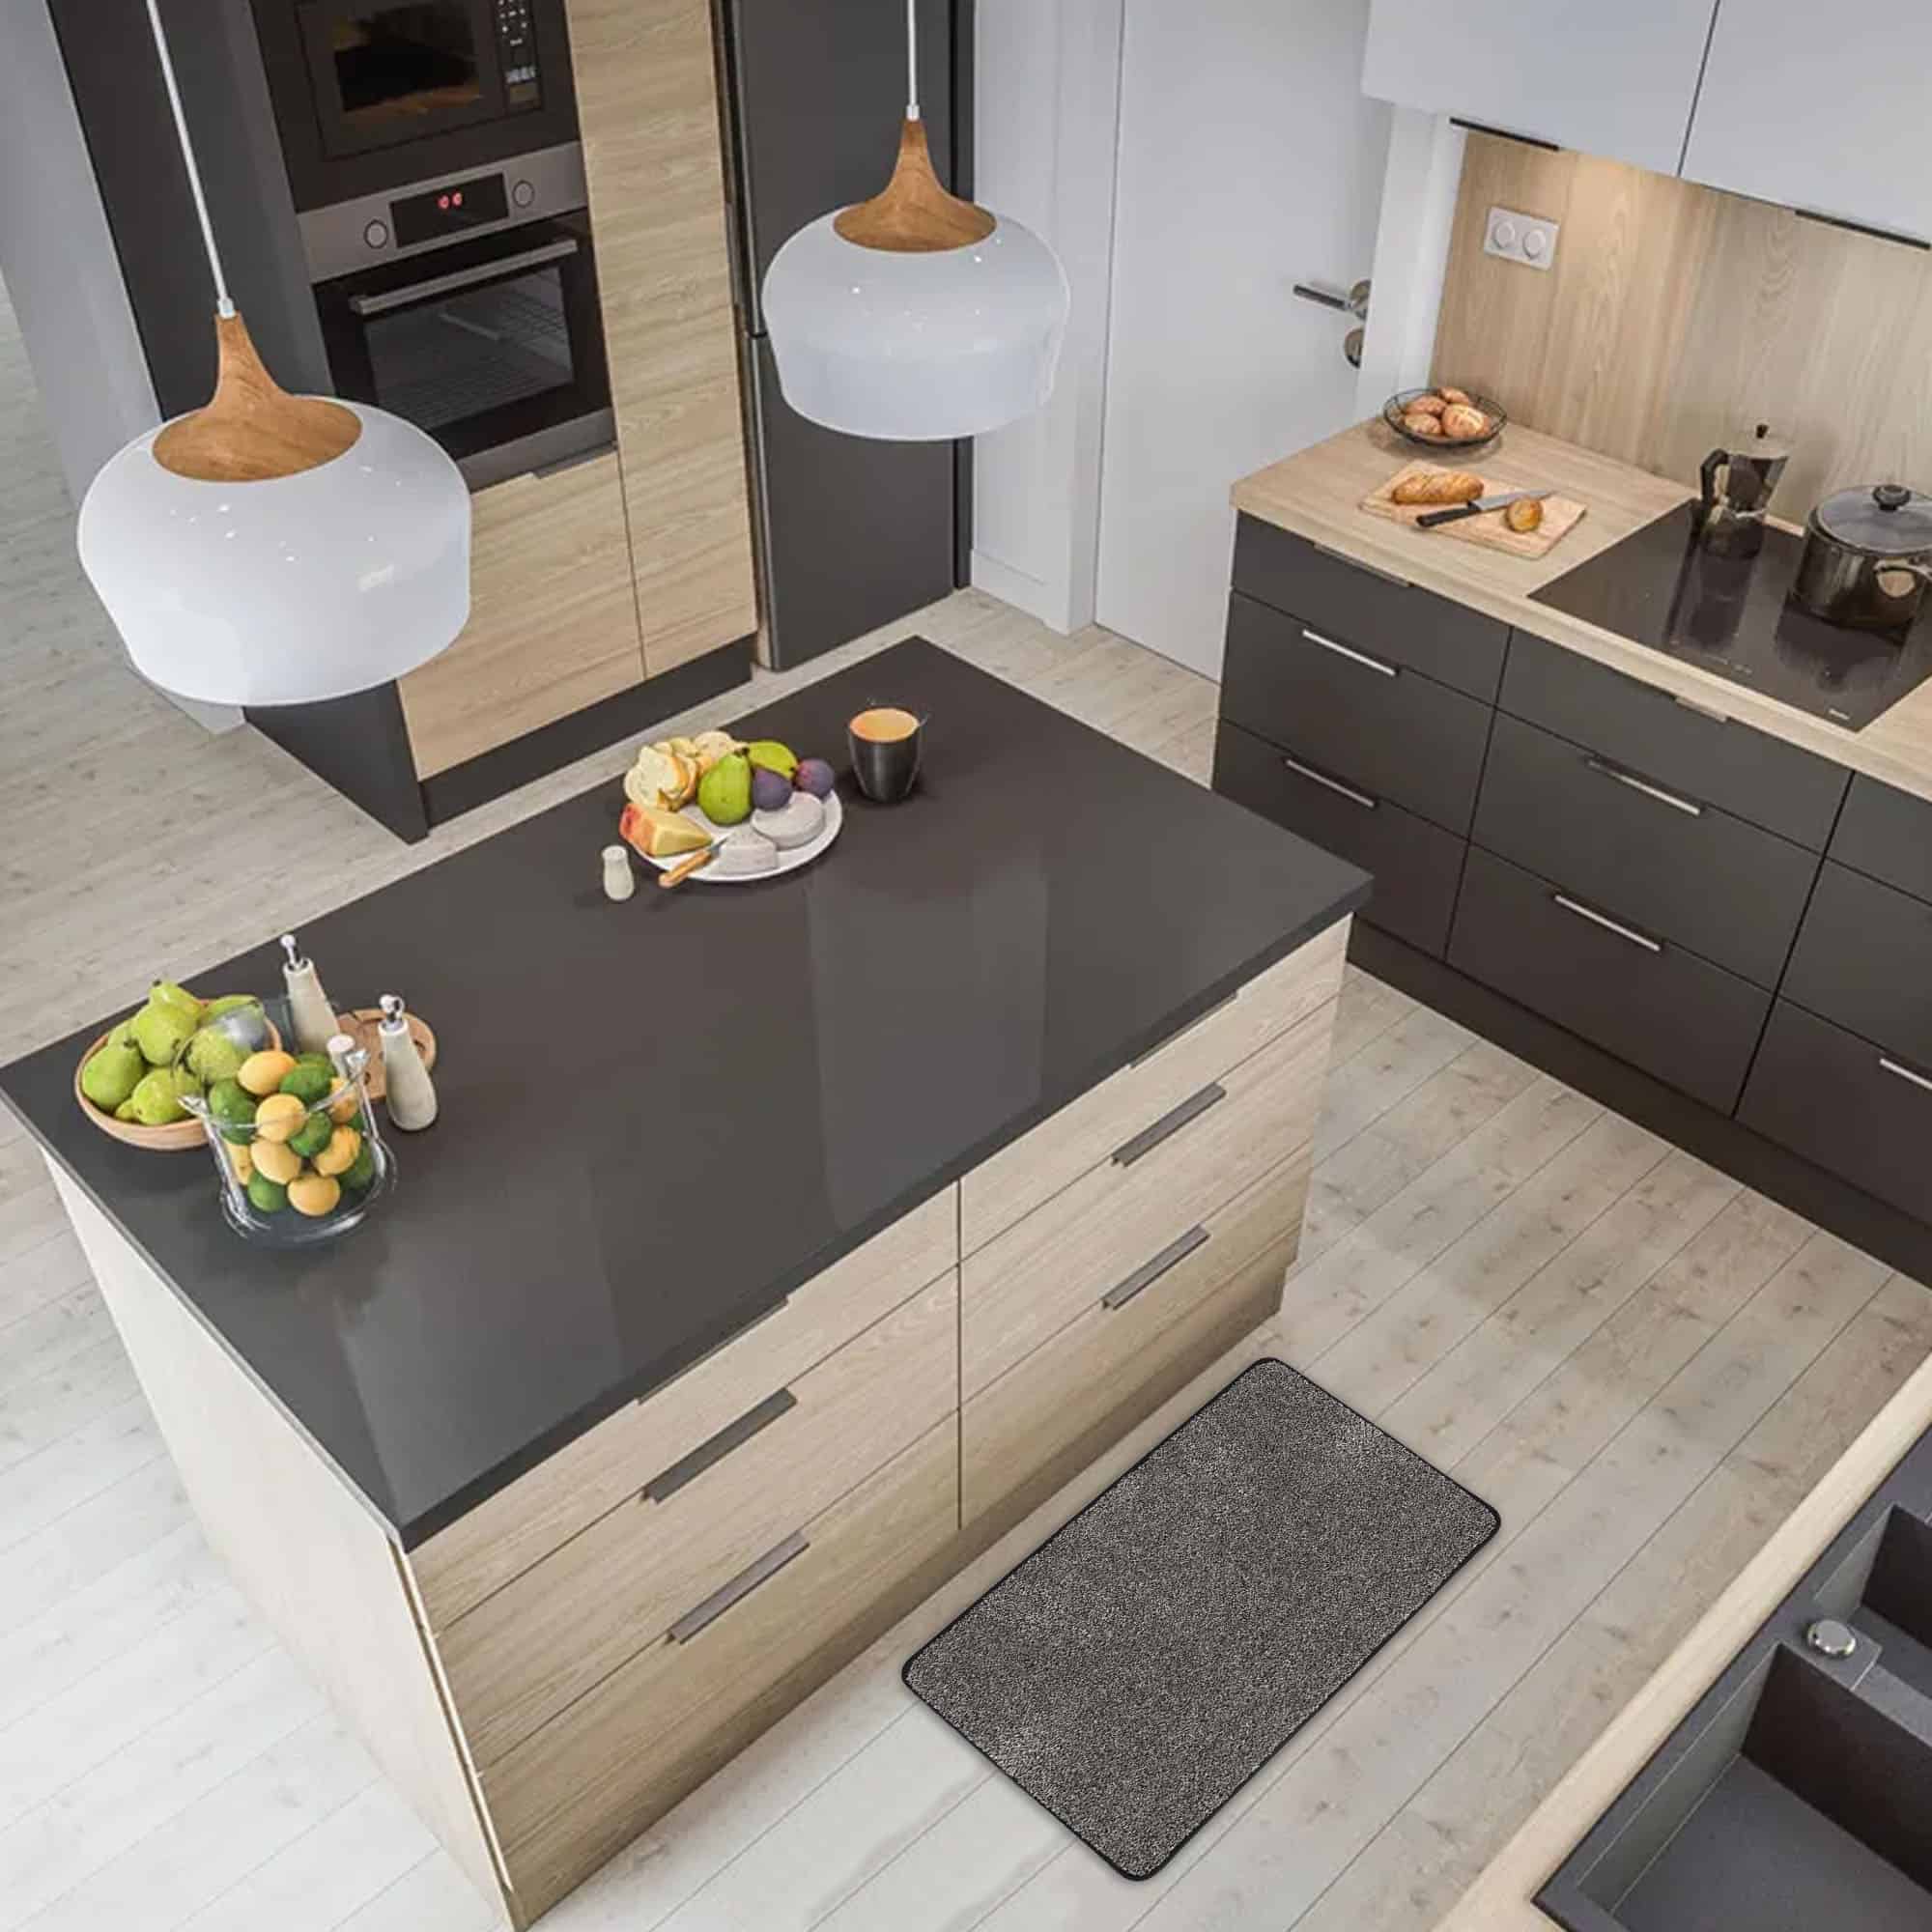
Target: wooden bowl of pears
<point x="130" y="1081"/>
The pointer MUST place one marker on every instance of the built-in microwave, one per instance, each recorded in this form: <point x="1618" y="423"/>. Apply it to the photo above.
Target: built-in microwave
<point x="371" y="94"/>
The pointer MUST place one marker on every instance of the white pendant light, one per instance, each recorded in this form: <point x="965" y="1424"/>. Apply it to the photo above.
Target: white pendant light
<point x="270" y="548"/>
<point x="915" y="317"/>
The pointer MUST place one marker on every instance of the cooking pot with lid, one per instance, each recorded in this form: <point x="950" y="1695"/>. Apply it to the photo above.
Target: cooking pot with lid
<point x="1867" y="557"/>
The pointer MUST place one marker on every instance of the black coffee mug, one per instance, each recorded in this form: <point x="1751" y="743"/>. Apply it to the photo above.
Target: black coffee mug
<point x="885" y="744"/>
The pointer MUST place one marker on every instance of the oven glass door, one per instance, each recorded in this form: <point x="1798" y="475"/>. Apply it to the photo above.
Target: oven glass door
<point x="389" y="70"/>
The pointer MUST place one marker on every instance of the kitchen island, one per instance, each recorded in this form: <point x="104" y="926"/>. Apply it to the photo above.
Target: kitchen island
<point x="778" y="1246"/>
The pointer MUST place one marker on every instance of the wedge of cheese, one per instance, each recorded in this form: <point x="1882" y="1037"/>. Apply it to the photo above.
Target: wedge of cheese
<point x="658" y="833"/>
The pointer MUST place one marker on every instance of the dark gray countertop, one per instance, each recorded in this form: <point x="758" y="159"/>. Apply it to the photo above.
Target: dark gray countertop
<point x="659" y="1117"/>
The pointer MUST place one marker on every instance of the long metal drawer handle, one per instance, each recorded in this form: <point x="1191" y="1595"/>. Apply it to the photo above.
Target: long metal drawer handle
<point x="1351" y="653"/>
<point x="1170" y="1123"/>
<point x="1604" y="769"/>
<point x="1904" y="1073"/>
<point x="1323" y="778"/>
<point x="715" y="1448"/>
<point x="1357" y="563"/>
<point x="1608" y="925"/>
<point x="1150" y="1272"/>
<point x="739" y="1587"/>
<point x="461" y="278"/>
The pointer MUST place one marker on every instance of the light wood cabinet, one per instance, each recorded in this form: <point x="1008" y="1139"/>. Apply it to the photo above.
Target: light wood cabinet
<point x="653" y="150"/>
<point x="1814" y="112"/>
<point x="552" y="617"/>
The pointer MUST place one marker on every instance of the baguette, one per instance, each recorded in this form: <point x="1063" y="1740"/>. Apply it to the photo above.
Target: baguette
<point x="1438" y="486"/>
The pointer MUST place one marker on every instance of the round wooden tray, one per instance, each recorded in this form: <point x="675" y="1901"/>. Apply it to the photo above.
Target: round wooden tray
<point x="360" y="1026"/>
<point x="175" y="1138"/>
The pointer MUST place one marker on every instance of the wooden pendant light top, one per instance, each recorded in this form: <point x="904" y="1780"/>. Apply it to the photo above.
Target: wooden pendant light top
<point x="252" y="429"/>
<point x="915" y="215"/>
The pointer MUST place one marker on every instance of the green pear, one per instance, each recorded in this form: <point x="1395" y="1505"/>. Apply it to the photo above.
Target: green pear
<point x="126" y="1110"/>
<point x="226" y="1004"/>
<point x="165" y="993"/>
<point x="213" y="1056"/>
<point x="160" y="1030"/>
<point x="156" y="1099"/>
<point x="112" y="1072"/>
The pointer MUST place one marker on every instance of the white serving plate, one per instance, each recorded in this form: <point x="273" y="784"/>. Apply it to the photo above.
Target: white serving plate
<point x="789" y="861"/>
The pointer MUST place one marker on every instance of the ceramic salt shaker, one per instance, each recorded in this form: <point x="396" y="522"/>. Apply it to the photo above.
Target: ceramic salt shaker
<point x="408" y="1092"/>
<point x="619" y="881"/>
<point x="310" y="1012"/>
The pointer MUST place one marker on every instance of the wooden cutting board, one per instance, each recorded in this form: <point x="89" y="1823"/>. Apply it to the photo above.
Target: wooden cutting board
<point x="1560" y="514"/>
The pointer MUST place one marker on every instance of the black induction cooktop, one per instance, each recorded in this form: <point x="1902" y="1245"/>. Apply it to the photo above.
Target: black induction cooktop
<point x="1732" y="616"/>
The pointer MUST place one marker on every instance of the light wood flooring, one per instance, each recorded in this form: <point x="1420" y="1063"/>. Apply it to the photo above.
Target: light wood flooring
<point x="1643" y="1365"/>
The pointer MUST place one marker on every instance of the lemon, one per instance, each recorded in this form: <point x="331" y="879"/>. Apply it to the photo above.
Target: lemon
<point x="276" y="1159"/>
<point x="263" y="1072"/>
<point x="315" y="1194"/>
<point x="279" y="1117"/>
<point x="339" y="1155"/>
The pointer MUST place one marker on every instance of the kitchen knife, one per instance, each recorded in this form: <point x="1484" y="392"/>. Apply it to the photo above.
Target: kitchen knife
<point x="1456" y="514"/>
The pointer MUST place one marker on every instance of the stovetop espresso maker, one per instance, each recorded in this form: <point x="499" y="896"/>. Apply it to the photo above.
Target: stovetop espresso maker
<point x="1730" y="516"/>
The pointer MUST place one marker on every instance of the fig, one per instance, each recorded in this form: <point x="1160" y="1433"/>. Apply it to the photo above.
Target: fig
<point x="769" y="790"/>
<point x="813" y="775"/>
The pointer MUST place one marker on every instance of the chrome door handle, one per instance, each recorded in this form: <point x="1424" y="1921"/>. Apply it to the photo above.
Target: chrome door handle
<point x="1350" y="652"/>
<point x="1150" y="1271"/>
<point x="1889" y="1066"/>
<point x="461" y="278"/>
<point x="1608" y="925"/>
<point x="702" y="1615"/>
<point x="1313" y="777"/>
<point x="1604" y="768"/>
<point x="715" y="1448"/>
<point x="1170" y="1123"/>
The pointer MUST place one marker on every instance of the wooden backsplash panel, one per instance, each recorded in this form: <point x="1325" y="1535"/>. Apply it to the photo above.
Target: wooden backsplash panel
<point x="1676" y="316"/>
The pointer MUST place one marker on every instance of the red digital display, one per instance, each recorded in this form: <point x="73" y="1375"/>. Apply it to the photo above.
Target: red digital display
<point x="437" y="212"/>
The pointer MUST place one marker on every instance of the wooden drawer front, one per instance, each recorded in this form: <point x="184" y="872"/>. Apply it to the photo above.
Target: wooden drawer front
<point x="550" y="1634"/>
<point x="1084" y="1133"/>
<point x="1371" y="720"/>
<point x="1849" y="1106"/>
<point x="1865" y="960"/>
<point x="1888" y="833"/>
<point x="1708" y="759"/>
<point x="1416" y="865"/>
<point x="1092" y="1238"/>
<point x="1370" y="610"/>
<point x="1011" y="1429"/>
<point x="1618" y="837"/>
<point x="506" y="1533"/>
<point x="1666" y="1010"/>
<point x="553" y="619"/>
<point x="567" y="1798"/>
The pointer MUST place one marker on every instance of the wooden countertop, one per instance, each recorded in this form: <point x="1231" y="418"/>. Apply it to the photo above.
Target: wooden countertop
<point x="1317" y="494"/>
<point x="1502" y="1898"/>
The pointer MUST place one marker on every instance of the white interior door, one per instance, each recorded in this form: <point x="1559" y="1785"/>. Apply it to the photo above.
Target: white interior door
<point x="1249" y="159"/>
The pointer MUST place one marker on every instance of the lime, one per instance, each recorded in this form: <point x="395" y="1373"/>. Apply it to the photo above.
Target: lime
<point x="233" y="1107"/>
<point x="271" y="1197"/>
<point x="361" y="1170"/>
<point x="313" y="1135"/>
<point x="307" y="1082"/>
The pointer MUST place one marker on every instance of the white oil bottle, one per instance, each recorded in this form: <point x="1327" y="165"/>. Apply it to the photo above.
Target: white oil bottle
<point x="310" y="1013"/>
<point x="410" y="1094"/>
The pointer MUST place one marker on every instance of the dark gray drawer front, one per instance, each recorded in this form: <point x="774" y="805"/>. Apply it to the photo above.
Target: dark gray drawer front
<point x="1729" y="765"/>
<point x="1374" y="612"/>
<point x="1675" y="1016"/>
<point x="1382" y="726"/>
<point x="1888" y="833"/>
<point x="1842" y="1103"/>
<point x="1416" y="865"/>
<point x="1680" y="871"/>
<point x="1865" y="960"/>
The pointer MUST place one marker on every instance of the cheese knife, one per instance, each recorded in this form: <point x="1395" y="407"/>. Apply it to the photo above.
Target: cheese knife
<point x="1458" y="511"/>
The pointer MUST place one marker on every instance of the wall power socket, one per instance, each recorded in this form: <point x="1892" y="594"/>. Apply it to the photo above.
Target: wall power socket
<point x="1525" y="239"/>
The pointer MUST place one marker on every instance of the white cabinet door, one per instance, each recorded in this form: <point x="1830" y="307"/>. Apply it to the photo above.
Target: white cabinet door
<point x="1611" y="77"/>
<point x="1820" y="110"/>
<point x="1249" y="161"/>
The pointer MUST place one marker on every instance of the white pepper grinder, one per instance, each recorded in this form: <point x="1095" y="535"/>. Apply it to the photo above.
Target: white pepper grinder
<point x="309" y="1010"/>
<point x="619" y="881"/>
<point x="408" y="1092"/>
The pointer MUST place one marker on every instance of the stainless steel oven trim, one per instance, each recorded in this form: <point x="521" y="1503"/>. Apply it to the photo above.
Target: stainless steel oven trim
<point x="463" y="278"/>
<point x="332" y="238"/>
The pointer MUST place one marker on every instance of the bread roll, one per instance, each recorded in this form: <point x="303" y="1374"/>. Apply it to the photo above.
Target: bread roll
<point x="1524" y="515"/>
<point x="1421" y="425"/>
<point x="1438" y="486"/>
<point x="1459" y="419"/>
<point x="1450" y="395"/>
<point x="1425" y="406"/>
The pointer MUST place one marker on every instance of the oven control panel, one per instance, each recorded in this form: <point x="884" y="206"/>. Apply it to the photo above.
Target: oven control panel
<point x="517" y="53"/>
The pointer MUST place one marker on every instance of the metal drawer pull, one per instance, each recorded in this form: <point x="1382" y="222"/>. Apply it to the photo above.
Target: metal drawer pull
<point x="382" y="302"/>
<point x="739" y="1587"/>
<point x="1170" y="1123"/>
<point x="1357" y="563"/>
<point x="1347" y="651"/>
<point x="1604" y="769"/>
<point x="1323" y="778"/>
<point x="715" y="1448"/>
<point x="1179" y="1030"/>
<point x="1905" y="1073"/>
<point x="1150" y="1272"/>
<point x="1610" y="925"/>
<point x="1702" y="710"/>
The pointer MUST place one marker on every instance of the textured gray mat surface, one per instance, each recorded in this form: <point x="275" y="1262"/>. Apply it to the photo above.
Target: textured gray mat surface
<point x="1148" y="1658"/>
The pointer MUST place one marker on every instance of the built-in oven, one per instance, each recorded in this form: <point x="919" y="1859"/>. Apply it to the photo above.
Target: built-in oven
<point x="476" y="320"/>
<point x="375" y="94"/>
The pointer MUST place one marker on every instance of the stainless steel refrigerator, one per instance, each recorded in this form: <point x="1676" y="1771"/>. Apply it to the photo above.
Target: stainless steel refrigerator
<point x="851" y="533"/>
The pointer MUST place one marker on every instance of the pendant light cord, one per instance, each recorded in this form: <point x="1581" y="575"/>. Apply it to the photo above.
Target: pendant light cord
<point x="223" y="306"/>
<point x="913" y="59"/>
